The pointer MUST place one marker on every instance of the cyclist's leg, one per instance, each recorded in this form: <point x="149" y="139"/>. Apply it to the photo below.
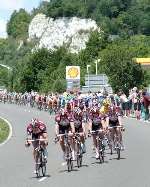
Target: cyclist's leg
<point x="44" y="144"/>
<point x="35" y="145"/>
<point x="112" y="136"/>
<point x="61" y="141"/>
<point x="95" y="145"/>
<point x="82" y="138"/>
<point x="72" y="143"/>
<point x="120" y="139"/>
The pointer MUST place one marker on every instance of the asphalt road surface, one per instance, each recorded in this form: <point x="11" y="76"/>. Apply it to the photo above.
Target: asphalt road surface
<point x="16" y="162"/>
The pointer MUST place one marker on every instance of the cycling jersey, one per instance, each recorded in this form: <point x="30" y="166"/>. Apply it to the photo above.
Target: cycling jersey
<point x="96" y="121"/>
<point x="39" y="129"/>
<point x="64" y="122"/>
<point x="113" y="119"/>
<point x="78" y="122"/>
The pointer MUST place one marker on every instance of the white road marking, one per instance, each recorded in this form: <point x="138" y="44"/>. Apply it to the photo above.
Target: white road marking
<point x="10" y="131"/>
<point x="42" y="179"/>
<point x="64" y="163"/>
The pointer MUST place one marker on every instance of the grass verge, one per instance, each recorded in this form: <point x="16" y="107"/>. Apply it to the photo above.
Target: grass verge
<point x="4" y="130"/>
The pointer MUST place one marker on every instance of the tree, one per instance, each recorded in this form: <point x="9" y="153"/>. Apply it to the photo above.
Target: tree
<point x="59" y="86"/>
<point x="17" y="26"/>
<point x="3" y="76"/>
<point x="118" y="64"/>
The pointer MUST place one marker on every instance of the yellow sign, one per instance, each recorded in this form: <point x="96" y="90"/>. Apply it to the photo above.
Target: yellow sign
<point x="145" y="62"/>
<point x="72" y="72"/>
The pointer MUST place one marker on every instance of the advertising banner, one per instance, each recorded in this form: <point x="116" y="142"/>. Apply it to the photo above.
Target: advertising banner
<point x="72" y="72"/>
<point x="73" y="78"/>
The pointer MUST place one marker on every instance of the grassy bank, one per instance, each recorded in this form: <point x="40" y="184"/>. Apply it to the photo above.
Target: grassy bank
<point x="4" y="130"/>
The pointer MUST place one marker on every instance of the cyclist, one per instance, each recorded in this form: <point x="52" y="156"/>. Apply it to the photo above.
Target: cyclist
<point x="113" y="119"/>
<point x="37" y="130"/>
<point x="96" y="122"/>
<point x="69" y="108"/>
<point x="55" y="104"/>
<point x="80" y="126"/>
<point x="64" y="123"/>
<point x="40" y="102"/>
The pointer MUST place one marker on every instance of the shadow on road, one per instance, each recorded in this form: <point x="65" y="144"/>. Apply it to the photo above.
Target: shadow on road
<point x="37" y="178"/>
<point x="83" y="165"/>
<point x="98" y="162"/>
<point x="122" y="158"/>
<point x="66" y="171"/>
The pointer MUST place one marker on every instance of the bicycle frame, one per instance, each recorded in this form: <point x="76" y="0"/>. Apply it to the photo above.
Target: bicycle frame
<point x="68" y="151"/>
<point x="78" y="149"/>
<point x="40" y="162"/>
<point x="100" y="145"/>
<point x="115" y="141"/>
<point x="39" y="157"/>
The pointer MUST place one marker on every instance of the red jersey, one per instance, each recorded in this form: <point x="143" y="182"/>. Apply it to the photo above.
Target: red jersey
<point x="40" y="128"/>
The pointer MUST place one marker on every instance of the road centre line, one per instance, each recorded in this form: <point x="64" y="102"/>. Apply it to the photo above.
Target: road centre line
<point x="42" y="179"/>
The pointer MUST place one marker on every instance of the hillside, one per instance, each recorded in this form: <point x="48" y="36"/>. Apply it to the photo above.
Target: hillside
<point x="75" y="25"/>
<point x="72" y="32"/>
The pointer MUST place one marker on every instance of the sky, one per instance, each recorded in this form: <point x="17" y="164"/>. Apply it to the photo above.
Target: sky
<point x="8" y="6"/>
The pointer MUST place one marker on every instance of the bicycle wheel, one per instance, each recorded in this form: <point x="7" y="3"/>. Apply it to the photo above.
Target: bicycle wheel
<point x="38" y="163"/>
<point x="69" y="164"/>
<point x="79" y="160"/>
<point x="43" y="164"/>
<point x="110" y="144"/>
<point x="79" y="153"/>
<point x="101" y="153"/>
<point x="101" y="157"/>
<point x="118" y="153"/>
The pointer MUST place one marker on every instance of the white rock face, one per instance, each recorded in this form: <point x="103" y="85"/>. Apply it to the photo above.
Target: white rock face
<point x="72" y="32"/>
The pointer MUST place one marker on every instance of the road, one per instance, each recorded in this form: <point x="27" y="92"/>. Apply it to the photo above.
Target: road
<point x="16" y="163"/>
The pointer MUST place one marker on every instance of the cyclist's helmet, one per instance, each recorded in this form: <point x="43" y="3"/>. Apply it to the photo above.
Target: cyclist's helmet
<point x="62" y="112"/>
<point x="68" y="107"/>
<point x="113" y="109"/>
<point x="34" y="122"/>
<point x="77" y="112"/>
<point x="95" y="110"/>
<point x="106" y="102"/>
<point x="118" y="109"/>
<point x="81" y="105"/>
<point x="95" y="102"/>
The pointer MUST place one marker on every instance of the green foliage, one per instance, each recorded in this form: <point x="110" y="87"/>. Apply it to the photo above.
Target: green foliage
<point x="3" y="76"/>
<point x="17" y="27"/>
<point x="118" y="62"/>
<point x="44" y="70"/>
<point x="146" y="81"/>
<point x="114" y="16"/>
<point x="42" y="8"/>
<point x="59" y="86"/>
<point x="4" y="130"/>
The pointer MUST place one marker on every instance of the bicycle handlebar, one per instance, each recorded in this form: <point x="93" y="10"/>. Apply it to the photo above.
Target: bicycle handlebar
<point x="121" y="127"/>
<point x="115" y="127"/>
<point x="70" y="134"/>
<point x="100" y="130"/>
<point x="30" y="140"/>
